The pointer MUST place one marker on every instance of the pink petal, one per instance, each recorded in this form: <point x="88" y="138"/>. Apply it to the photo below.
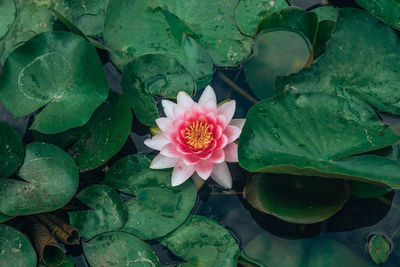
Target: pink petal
<point x="222" y="142"/>
<point x="228" y="110"/>
<point x="204" y="169"/>
<point x="170" y="151"/>
<point x="168" y="108"/>
<point x="164" y="123"/>
<point x="232" y="132"/>
<point x="181" y="173"/>
<point x="178" y="111"/>
<point x="218" y="156"/>
<point x="190" y="159"/>
<point x="157" y="142"/>
<point x="218" y="132"/>
<point x="183" y="149"/>
<point x="238" y="123"/>
<point x="162" y="162"/>
<point x="184" y="99"/>
<point x="231" y="152"/>
<point x="221" y="175"/>
<point x="208" y="100"/>
<point x="222" y="121"/>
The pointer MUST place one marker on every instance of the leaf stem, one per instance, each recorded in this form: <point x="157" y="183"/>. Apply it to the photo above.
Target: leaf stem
<point x="237" y="88"/>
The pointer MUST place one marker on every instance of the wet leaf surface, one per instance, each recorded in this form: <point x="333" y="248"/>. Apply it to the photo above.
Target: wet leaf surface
<point x="119" y="249"/>
<point x="202" y="242"/>
<point x="49" y="180"/>
<point x="107" y="212"/>
<point x="11" y="150"/>
<point x="59" y="72"/>
<point x="101" y="138"/>
<point x="388" y="11"/>
<point x="7" y="16"/>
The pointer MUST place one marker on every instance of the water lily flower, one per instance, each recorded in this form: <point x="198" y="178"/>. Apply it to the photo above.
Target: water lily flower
<point x="197" y="137"/>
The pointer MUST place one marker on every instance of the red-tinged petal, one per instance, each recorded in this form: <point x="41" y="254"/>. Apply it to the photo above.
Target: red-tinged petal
<point x="221" y="175"/>
<point x="232" y="132"/>
<point x="164" y="123"/>
<point x="170" y="151"/>
<point x="208" y="100"/>
<point x="184" y="99"/>
<point x="228" y="110"/>
<point x="211" y="118"/>
<point x="181" y="173"/>
<point x="217" y="156"/>
<point x="218" y="132"/>
<point x="222" y="121"/>
<point x="162" y="162"/>
<point x="222" y="142"/>
<point x="238" y="123"/>
<point x="157" y="142"/>
<point x="204" y="154"/>
<point x="168" y="108"/>
<point x="183" y="149"/>
<point x="191" y="159"/>
<point x="204" y="168"/>
<point x="231" y="152"/>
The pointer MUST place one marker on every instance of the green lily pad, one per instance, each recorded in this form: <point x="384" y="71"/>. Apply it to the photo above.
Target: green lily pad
<point x="326" y="13"/>
<point x="15" y="248"/>
<point x="87" y="16"/>
<point x="342" y="71"/>
<point x="49" y="181"/>
<point x="249" y="13"/>
<point x="378" y="248"/>
<point x="7" y="16"/>
<point x="276" y="53"/>
<point x="101" y="138"/>
<point x="318" y="135"/>
<point x="330" y="253"/>
<point x="297" y="199"/>
<point x="134" y="28"/>
<point x="158" y="207"/>
<point x="366" y="190"/>
<point x="388" y="11"/>
<point x="11" y="150"/>
<point x="153" y="74"/>
<point x="324" y="35"/>
<point x="292" y="18"/>
<point x="58" y="71"/>
<point x="202" y="242"/>
<point x="30" y="20"/>
<point x="68" y="262"/>
<point x="114" y="249"/>
<point x="107" y="211"/>
<point x="267" y="250"/>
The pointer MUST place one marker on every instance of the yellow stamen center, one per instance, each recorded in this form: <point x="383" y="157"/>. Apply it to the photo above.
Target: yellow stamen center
<point x="198" y="135"/>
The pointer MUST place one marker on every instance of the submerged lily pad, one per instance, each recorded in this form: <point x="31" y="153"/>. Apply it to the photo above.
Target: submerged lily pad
<point x="49" y="180"/>
<point x="59" y="72"/>
<point x="107" y="211"/>
<point x="388" y="10"/>
<point x="319" y="135"/>
<point x="11" y="150"/>
<point x="101" y="138"/>
<point x="267" y="250"/>
<point x="379" y="248"/>
<point x="326" y="13"/>
<point x="4" y="218"/>
<point x="297" y="199"/>
<point x="134" y="28"/>
<point x="30" y="20"/>
<point x="7" y="16"/>
<point x="202" y="242"/>
<point x="153" y="74"/>
<point x="249" y="13"/>
<point x="114" y="249"/>
<point x="330" y="253"/>
<point x="342" y="71"/>
<point x="276" y="53"/>
<point x="15" y="248"/>
<point x="293" y="18"/>
<point x="158" y="208"/>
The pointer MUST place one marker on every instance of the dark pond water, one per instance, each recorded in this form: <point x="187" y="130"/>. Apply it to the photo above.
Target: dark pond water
<point x="352" y="226"/>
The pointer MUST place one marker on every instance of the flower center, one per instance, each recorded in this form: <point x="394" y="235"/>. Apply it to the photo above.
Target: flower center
<point x="198" y="135"/>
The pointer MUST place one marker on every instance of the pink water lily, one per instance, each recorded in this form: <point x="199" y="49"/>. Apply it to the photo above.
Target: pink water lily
<point x="197" y="137"/>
